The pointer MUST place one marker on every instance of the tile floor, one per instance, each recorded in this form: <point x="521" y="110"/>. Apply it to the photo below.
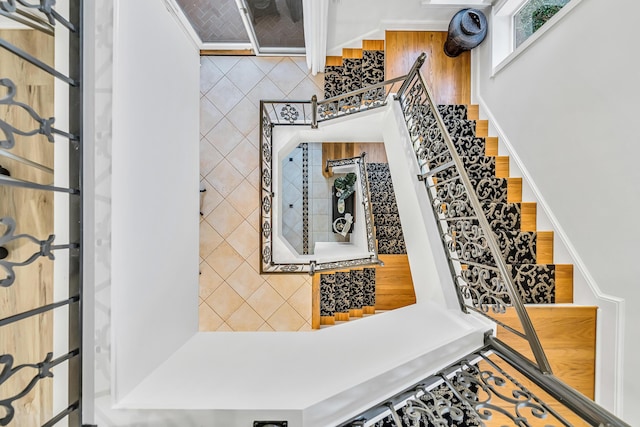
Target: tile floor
<point x="233" y="295"/>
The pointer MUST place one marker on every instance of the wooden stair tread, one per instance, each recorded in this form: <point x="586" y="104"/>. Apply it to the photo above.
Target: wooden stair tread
<point x="372" y="44"/>
<point x="333" y="61"/>
<point x="491" y="146"/>
<point x="568" y="336"/>
<point x="352" y="53"/>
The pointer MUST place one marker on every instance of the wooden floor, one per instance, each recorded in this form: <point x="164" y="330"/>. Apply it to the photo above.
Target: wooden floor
<point x="448" y="78"/>
<point x="29" y="340"/>
<point x="556" y="327"/>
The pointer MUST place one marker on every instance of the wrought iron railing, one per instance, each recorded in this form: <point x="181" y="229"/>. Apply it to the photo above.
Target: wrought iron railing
<point x="310" y="113"/>
<point x="365" y="196"/>
<point x="493" y="385"/>
<point x="483" y="281"/>
<point x="40" y="260"/>
<point x="298" y="113"/>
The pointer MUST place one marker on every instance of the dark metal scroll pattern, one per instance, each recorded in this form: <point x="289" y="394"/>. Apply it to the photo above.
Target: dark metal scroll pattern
<point x="43" y="370"/>
<point x="497" y="394"/>
<point x="289" y="113"/>
<point x="479" y="284"/>
<point x="265" y="161"/>
<point x="472" y="396"/>
<point x="266" y="232"/>
<point x="46" y="7"/>
<point x="361" y="100"/>
<point x="45" y="126"/>
<point x="46" y="246"/>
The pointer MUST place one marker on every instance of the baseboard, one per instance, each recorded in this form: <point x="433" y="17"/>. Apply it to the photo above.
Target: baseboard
<point x="606" y="338"/>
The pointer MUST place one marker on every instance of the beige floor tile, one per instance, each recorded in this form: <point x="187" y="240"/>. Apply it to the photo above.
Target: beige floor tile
<point x="225" y="95"/>
<point x="244" y="157"/>
<point x="265" y="301"/>
<point x="265" y="328"/>
<point x="286" y="75"/>
<point x="286" y="318"/>
<point x="286" y="284"/>
<point x="305" y="90"/>
<point x="254" y="261"/>
<point x="240" y="113"/>
<point x="224" y="136"/>
<point x="254" y="136"/>
<point x="210" y="199"/>
<point x="254" y="219"/>
<point x="224" y="218"/>
<point x="244" y="199"/>
<point x="209" y="116"/>
<point x="224" y="260"/>
<point x="210" y="74"/>
<point x="224" y="178"/>
<point x="255" y="178"/>
<point x="224" y="328"/>
<point x="305" y="328"/>
<point x="208" y="320"/>
<point x="245" y="74"/>
<point x="265" y="89"/>
<point x="209" y="156"/>
<point x="225" y="63"/>
<point x="209" y="239"/>
<point x="301" y="301"/>
<point x="244" y="239"/>
<point x="245" y="281"/>
<point x="245" y="319"/>
<point x="266" y="63"/>
<point x="224" y="301"/>
<point x="209" y="280"/>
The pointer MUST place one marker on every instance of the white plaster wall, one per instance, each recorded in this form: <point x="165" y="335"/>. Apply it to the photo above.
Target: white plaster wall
<point x="154" y="222"/>
<point x="568" y="106"/>
<point x="350" y="21"/>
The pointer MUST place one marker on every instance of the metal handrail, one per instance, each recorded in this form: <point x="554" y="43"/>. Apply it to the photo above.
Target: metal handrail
<point x="494" y="356"/>
<point x="514" y="296"/>
<point x="366" y="197"/>
<point x="266" y="197"/>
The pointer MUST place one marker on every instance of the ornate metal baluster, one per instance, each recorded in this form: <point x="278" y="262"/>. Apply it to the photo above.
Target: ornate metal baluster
<point x="46" y="248"/>
<point x="43" y="371"/>
<point x="45" y="126"/>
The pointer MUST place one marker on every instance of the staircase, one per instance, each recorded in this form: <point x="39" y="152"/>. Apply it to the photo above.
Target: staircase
<point x="385" y="210"/>
<point x="344" y="295"/>
<point x="355" y="69"/>
<point x="566" y="331"/>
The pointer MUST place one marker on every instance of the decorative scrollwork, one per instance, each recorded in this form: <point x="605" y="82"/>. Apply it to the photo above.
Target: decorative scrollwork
<point x="266" y="152"/>
<point x="266" y="255"/>
<point x="468" y="240"/>
<point x="266" y="229"/>
<point x="493" y="395"/>
<point x="266" y="177"/>
<point x="46" y="246"/>
<point x="289" y="113"/>
<point x="266" y="204"/>
<point x="266" y="128"/>
<point x="484" y="288"/>
<point x="43" y="370"/>
<point x="46" y="7"/>
<point x="45" y="126"/>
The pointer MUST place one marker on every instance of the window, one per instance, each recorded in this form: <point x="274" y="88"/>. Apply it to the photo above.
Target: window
<point x="532" y="15"/>
<point x="519" y="23"/>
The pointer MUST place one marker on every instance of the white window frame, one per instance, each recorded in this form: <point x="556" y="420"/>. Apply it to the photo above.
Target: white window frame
<point x="503" y="49"/>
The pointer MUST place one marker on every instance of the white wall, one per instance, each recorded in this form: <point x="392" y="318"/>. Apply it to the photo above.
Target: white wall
<point x="351" y="21"/>
<point x="568" y="106"/>
<point x="155" y="196"/>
